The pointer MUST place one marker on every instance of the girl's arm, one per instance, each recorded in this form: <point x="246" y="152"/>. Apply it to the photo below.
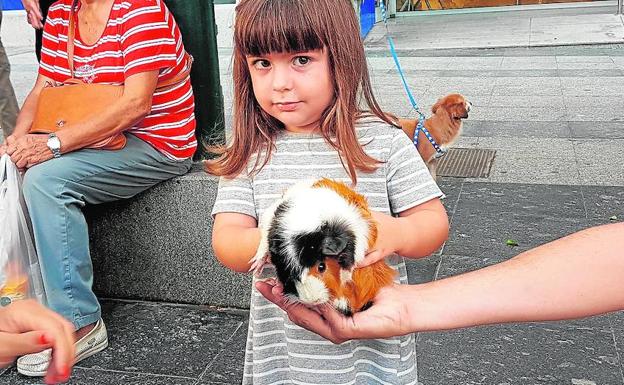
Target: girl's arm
<point x="235" y="239"/>
<point x="573" y="277"/>
<point x="417" y="232"/>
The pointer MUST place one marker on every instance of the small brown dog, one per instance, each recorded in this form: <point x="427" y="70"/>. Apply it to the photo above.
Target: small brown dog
<point x="444" y="126"/>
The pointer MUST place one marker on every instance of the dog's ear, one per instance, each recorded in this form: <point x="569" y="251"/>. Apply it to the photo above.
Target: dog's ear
<point x="437" y="105"/>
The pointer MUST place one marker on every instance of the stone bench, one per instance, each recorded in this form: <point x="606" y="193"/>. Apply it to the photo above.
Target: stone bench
<point x="157" y="247"/>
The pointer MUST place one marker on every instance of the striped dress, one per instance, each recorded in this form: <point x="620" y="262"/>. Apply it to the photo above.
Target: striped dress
<point x="279" y="352"/>
<point x="139" y="36"/>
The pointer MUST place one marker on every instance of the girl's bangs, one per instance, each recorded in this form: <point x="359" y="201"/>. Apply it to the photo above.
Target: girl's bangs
<point x="276" y="26"/>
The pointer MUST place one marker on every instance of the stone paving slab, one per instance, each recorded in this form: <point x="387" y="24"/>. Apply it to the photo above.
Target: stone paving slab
<point x="488" y="214"/>
<point x="511" y="354"/>
<point x="154" y="343"/>
<point x="520" y="129"/>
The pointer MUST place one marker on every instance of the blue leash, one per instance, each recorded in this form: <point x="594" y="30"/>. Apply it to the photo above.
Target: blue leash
<point x="421" y="117"/>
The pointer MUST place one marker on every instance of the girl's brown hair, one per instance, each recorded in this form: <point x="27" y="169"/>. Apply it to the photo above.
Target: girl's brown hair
<point x="266" y="26"/>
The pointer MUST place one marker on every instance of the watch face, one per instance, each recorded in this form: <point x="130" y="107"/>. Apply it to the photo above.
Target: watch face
<point x="54" y="143"/>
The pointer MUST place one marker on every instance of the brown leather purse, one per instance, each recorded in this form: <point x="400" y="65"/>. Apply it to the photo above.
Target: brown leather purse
<point x="74" y="101"/>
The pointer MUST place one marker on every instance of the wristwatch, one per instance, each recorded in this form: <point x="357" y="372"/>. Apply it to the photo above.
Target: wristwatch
<point x="54" y="144"/>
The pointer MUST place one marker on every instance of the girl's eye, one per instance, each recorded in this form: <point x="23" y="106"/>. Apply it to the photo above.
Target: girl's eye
<point x="322" y="267"/>
<point x="261" y="64"/>
<point x="301" y="60"/>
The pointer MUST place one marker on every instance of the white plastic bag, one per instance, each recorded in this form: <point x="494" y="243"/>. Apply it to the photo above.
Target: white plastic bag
<point x="20" y="274"/>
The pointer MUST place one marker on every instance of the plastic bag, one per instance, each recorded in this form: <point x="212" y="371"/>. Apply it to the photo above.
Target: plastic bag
<point x="20" y="273"/>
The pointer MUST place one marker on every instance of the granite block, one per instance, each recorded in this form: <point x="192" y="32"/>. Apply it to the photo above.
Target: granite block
<point x="601" y="113"/>
<point x="162" y="339"/>
<point x="529" y="63"/>
<point x="538" y="101"/>
<point x="538" y="114"/>
<point x="488" y="214"/>
<point x="604" y="203"/>
<point x="81" y="376"/>
<point x="600" y="161"/>
<point x="607" y="65"/>
<point x="518" y="355"/>
<point x="516" y="129"/>
<point x="597" y="130"/>
<point x="451" y="187"/>
<point x="594" y="86"/>
<point x="572" y="59"/>
<point x="422" y="270"/>
<point x="156" y="246"/>
<point x="527" y="86"/>
<point x="228" y="366"/>
<point x="529" y="147"/>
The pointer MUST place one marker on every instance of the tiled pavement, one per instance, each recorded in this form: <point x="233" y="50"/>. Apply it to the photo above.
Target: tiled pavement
<point x="554" y="115"/>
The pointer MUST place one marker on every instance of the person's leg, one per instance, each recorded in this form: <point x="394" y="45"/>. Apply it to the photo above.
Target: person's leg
<point x="8" y="102"/>
<point x="55" y="192"/>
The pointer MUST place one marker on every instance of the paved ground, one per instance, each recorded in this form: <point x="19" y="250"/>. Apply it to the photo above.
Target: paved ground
<point x="554" y="115"/>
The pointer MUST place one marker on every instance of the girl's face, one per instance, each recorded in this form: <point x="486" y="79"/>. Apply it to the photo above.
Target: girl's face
<point x="294" y="88"/>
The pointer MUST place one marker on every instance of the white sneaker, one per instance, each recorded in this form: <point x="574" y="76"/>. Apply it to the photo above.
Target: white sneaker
<point x="36" y="365"/>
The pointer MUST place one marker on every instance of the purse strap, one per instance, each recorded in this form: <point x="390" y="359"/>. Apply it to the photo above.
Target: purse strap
<point x="161" y="85"/>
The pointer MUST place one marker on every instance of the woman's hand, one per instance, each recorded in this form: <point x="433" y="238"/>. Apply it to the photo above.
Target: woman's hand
<point x="387" y="242"/>
<point x="34" y="15"/>
<point x="29" y="150"/>
<point x="388" y="317"/>
<point x="27" y="327"/>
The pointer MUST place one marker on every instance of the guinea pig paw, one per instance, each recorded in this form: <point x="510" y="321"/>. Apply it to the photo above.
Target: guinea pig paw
<point x="258" y="264"/>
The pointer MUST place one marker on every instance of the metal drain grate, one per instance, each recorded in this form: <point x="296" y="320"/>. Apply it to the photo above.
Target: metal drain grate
<point x="466" y="163"/>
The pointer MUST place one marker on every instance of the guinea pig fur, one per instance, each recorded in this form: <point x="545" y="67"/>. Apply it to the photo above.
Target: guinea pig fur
<point x="314" y="235"/>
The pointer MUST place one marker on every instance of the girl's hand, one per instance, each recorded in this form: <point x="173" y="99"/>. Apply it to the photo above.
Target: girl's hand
<point x="387" y="240"/>
<point x="29" y="150"/>
<point x="34" y="15"/>
<point x="388" y="317"/>
<point x="28" y="327"/>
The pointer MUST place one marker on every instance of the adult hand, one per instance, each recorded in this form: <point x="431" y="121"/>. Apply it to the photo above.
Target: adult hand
<point x="34" y="16"/>
<point x="386" y="243"/>
<point x="388" y="317"/>
<point x="28" y="327"/>
<point x="29" y="150"/>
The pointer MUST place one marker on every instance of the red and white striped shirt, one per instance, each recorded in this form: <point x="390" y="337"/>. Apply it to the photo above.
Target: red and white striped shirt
<point x="140" y="36"/>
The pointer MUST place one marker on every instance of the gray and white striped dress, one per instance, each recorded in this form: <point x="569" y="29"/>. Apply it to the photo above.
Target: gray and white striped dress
<point x="279" y="352"/>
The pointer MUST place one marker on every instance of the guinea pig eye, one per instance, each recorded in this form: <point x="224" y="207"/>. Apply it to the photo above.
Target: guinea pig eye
<point x="322" y="267"/>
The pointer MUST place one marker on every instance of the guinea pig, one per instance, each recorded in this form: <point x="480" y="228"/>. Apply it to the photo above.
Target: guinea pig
<point x="314" y="236"/>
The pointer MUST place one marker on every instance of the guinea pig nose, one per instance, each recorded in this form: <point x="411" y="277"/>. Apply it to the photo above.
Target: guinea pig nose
<point x="332" y="246"/>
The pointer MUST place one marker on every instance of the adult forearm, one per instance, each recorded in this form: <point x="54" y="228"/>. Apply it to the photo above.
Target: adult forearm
<point x="573" y="277"/>
<point x="122" y="115"/>
<point x="235" y="246"/>
<point x="26" y="114"/>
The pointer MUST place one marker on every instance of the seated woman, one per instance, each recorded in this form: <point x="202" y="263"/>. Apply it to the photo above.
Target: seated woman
<point x="136" y="44"/>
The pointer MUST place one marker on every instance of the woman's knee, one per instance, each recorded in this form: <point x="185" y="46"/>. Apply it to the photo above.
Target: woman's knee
<point x="40" y="181"/>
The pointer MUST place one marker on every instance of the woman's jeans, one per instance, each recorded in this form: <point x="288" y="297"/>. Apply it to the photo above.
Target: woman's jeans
<point x="57" y="190"/>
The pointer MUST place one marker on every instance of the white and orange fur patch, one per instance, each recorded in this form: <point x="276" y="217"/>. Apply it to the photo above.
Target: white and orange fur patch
<point x="349" y="290"/>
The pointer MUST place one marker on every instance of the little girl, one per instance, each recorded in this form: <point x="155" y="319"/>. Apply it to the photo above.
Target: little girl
<point x="300" y="80"/>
